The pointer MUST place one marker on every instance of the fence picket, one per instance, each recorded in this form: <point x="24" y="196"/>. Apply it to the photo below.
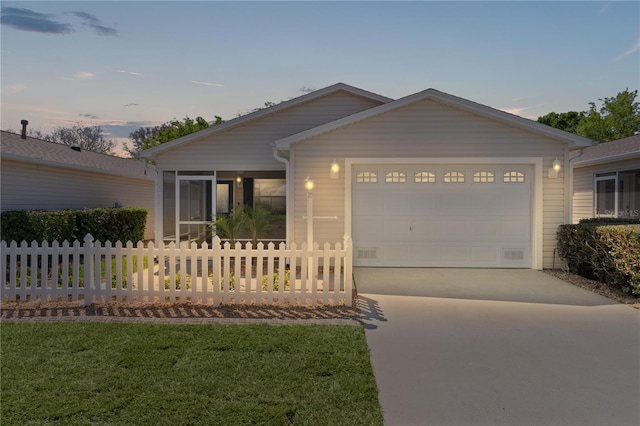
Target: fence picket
<point x="94" y="272"/>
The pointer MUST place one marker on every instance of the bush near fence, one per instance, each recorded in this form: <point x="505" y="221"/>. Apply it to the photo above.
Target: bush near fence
<point x="607" y="253"/>
<point x="112" y="224"/>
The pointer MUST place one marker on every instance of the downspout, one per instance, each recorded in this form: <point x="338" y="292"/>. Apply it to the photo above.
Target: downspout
<point x="289" y="204"/>
<point x="571" y="164"/>
<point x="157" y="204"/>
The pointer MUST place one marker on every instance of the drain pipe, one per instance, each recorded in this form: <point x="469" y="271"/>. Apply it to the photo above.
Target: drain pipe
<point x="289" y="213"/>
<point x="571" y="164"/>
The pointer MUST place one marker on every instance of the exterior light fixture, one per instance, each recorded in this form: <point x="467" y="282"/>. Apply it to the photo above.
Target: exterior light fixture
<point x="335" y="170"/>
<point x="308" y="184"/>
<point x="238" y="180"/>
<point x="556" y="166"/>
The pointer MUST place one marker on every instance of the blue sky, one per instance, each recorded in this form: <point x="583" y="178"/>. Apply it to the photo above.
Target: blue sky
<point x="123" y="65"/>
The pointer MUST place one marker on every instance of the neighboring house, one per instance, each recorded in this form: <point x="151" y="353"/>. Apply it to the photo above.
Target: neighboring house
<point x="428" y="180"/>
<point x="41" y="175"/>
<point x="606" y="180"/>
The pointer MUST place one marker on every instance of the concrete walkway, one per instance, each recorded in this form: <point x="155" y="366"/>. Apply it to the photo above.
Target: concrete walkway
<point x="498" y="347"/>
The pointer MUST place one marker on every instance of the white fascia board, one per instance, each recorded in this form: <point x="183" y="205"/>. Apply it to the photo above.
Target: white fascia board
<point x="610" y="159"/>
<point x="151" y="152"/>
<point x="572" y="140"/>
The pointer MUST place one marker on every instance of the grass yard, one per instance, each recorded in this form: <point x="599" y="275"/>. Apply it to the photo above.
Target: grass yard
<point x="145" y="374"/>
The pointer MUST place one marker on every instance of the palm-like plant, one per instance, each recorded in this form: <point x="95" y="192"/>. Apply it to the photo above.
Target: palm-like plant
<point x="229" y="226"/>
<point x="257" y="221"/>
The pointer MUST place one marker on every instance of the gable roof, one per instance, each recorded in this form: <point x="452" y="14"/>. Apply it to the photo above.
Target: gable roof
<point x="38" y="151"/>
<point x="573" y="141"/>
<point x="621" y="149"/>
<point x="151" y="152"/>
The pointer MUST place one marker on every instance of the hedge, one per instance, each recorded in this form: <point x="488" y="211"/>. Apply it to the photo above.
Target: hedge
<point x="113" y="224"/>
<point x="607" y="253"/>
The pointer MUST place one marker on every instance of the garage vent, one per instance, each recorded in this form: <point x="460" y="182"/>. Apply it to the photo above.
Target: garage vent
<point x="367" y="253"/>
<point x="513" y="254"/>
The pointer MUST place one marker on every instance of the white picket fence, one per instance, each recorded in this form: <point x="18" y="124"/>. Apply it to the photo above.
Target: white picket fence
<point x="187" y="273"/>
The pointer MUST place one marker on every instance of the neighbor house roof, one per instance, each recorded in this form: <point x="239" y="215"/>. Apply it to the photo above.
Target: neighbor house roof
<point x="38" y="151"/>
<point x="621" y="149"/>
<point x="573" y="141"/>
<point x="151" y="152"/>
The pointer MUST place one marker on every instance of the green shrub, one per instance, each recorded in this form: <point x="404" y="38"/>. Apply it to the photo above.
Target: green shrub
<point x="607" y="253"/>
<point x="33" y="225"/>
<point x="113" y="224"/>
<point x="610" y="221"/>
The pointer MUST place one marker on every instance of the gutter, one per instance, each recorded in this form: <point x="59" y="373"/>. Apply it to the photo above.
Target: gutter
<point x="289" y="199"/>
<point x="571" y="166"/>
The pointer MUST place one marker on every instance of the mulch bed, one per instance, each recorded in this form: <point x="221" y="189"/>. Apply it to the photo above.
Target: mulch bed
<point x="176" y="310"/>
<point x="596" y="287"/>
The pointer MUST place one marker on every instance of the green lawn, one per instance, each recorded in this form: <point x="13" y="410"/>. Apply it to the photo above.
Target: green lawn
<point x="144" y="374"/>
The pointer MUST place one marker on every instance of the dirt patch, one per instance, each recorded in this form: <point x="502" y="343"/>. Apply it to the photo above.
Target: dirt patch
<point x="596" y="287"/>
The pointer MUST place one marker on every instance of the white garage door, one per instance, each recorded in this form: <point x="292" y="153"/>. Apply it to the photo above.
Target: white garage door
<point x="442" y="216"/>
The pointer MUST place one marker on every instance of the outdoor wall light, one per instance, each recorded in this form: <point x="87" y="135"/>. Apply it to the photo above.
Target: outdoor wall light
<point x="335" y="170"/>
<point x="239" y="180"/>
<point x="308" y="184"/>
<point x="556" y="166"/>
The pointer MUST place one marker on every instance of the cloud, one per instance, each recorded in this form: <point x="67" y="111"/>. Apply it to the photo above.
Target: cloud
<point x="28" y="20"/>
<point x="81" y="75"/>
<point x="15" y="88"/>
<point x="129" y="72"/>
<point x="130" y="105"/>
<point x="206" y="84"/>
<point x="93" y="117"/>
<point x="94" y="23"/>
<point x="630" y="52"/>
<point x="305" y="89"/>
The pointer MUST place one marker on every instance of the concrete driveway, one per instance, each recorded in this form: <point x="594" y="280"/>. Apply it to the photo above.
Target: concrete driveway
<point x="498" y="347"/>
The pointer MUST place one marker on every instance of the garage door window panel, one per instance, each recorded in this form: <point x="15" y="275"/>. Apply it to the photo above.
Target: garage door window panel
<point x="425" y="177"/>
<point x="484" y="177"/>
<point x="454" y="177"/>
<point x="513" y="177"/>
<point x="395" y="177"/>
<point x="367" y="177"/>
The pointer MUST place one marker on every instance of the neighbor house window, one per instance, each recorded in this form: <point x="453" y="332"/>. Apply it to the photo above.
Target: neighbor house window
<point x="513" y="177"/>
<point x="483" y="177"/>
<point x="454" y="177"/>
<point x="395" y="177"/>
<point x="617" y="194"/>
<point x="366" y="177"/>
<point x="425" y="177"/>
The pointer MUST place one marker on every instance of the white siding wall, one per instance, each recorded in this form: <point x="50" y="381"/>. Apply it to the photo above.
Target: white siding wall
<point x="249" y="147"/>
<point x="27" y="186"/>
<point x="425" y="129"/>
<point x="583" y="185"/>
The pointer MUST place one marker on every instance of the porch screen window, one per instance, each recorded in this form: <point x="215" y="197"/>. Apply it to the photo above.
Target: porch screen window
<point x="617" y="194"/>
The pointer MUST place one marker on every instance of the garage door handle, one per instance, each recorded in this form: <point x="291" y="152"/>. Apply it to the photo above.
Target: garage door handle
<point x="410" y="228"/>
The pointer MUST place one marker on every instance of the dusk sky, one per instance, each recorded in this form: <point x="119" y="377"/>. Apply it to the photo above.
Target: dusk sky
<point x="122" y="65"/>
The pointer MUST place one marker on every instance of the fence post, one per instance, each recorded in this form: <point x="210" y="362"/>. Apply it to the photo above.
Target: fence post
<point x="89" y="267"/>
<point x="348" y="269"/>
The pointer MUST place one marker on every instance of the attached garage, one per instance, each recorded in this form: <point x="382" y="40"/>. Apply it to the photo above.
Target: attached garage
<point x="434" y="215"/>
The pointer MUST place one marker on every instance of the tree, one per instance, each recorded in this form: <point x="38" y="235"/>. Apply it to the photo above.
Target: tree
<point x="567" y="121"/>
<point x="90" y="138"/>
<point x="147" y="137"/>
<point x="617" y="118"/>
